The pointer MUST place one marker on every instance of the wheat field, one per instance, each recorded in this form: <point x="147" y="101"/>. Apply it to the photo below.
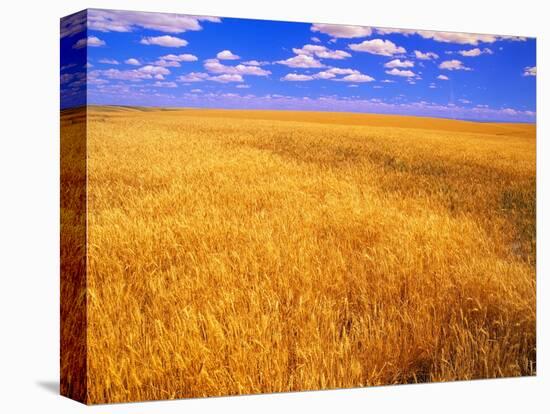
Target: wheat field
<point x="239" y="252"/>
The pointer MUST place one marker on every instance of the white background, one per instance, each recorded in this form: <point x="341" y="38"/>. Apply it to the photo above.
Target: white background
<point x="29" y="205"/>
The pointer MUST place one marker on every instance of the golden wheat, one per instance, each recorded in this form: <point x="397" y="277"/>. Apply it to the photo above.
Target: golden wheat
<point x="238" y="252"/>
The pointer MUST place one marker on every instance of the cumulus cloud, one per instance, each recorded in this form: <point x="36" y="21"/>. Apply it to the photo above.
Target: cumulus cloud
<point x="226" y="78"/>
<point x="389" y="30"/>
<point x="223" y="73"/>
<point x="460" y="38"/>
<point x="109" y="61"/>
<point x="453" y="64"/>
<point x="530" y="71"/>
<point x="73" y="24"/>
<point x="215" y="66"/>
<point x="341" y="31"/>
<point x="301" y="61"/>
<point x="127" y="21"/>
<point x="295" y="77"/>
<point x="378" y="47"/>
<point x="399" y="72"/>
<point x="509" y="111"/>
<point x="185" y="57"/>
<point x="255" y="63"/>
<point x="132" y="61"/>
<point x="193" y="77"/>
<point x="451" y="37"/>
<point x="321" y="52"/>
<point x="356" y="77"/>
<point x="135" y="75"/>
<point x="443" y="77"/>
<point x="91" y="41"/>
<point x="315" y="39"/>
<point x="334" y="74"/>
<point x="475" y="52"/>
<point x="200" y="77"/>
<point x="160" y="84"/>
<point x="397" y="63"/>
<point x="172" y="60"/>
<point x="425" y="56"/>
<point x="166" y="41"/>
<point x="154" y="70"/>
<point x="227" y="55"/>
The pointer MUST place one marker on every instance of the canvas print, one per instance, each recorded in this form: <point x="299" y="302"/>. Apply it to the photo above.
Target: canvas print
<point x="253" y="206"/>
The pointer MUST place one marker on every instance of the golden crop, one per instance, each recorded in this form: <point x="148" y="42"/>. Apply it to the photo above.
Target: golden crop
<point x="239" y="252"/>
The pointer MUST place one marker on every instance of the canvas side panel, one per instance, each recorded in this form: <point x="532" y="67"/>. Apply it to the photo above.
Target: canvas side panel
<point x="73" y="359"/>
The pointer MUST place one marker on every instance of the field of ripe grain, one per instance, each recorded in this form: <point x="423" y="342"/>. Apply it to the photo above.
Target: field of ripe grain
<point x="239" y="252"/>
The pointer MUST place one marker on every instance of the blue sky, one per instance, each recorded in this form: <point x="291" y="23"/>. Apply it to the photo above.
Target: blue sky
<point x="159" y="59"/>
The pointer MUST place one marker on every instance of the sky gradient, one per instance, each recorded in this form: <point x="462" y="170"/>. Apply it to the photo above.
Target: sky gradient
<point x="157" y="59"/>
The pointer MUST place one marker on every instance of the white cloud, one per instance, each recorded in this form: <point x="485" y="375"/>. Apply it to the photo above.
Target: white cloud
<point x="154" y="70"/>
<point x="509" y="111"/>
<point x="95" y="41"/>
<point x="132" y="61"/>
<point x="388" y="81"/>
<point x="325" y="75"/>
<point x="425" y="56"/>
<point x="341" y="31"/>
<point x="301" y="61"/>
<point x="432" y="86"/>
<point x="196" y="90"/>
<point x="109" y="61"/>
<point x="377" y="47"/>
<point x="351" y="75"/>
<point x="460" y="38"/>
<point x="68" y="66"/>
<point x="356" y="77"/>
<point x="172" y="60"/>
<point x="193" y="77"/>
<point x="165" y="84"/>
<point x="342" y="71"/>
<point x="73" y="24"/>
<point x="127" y="21"/>
<point x="389" y="30"/>
<point x="403" y="73"/>
<point x="166" y="41"/>
<point x="227" y="55"/>
<point x="475" y="52"/>
<point x="255" y="63"/>
<point x="451" y="37"/>
<point x="453" y="64"/>
<point x="135" y="75"/>
<point x="295" y="77"/>
<point x="321" y="52"/>
<point x="226" y="78"/>
<point x="315" y="39"/>
<point x="214" y="66"/>
<point x="242" y="86"/>
<point x="530" y="71"/>
<point x="333" y="72"/>
<point x="91" y="41"/>
<point x="464" y="101"/>
<point x="186" y="57"/>
<point x="397" y="63"/>
<point x="443" y="77"/>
